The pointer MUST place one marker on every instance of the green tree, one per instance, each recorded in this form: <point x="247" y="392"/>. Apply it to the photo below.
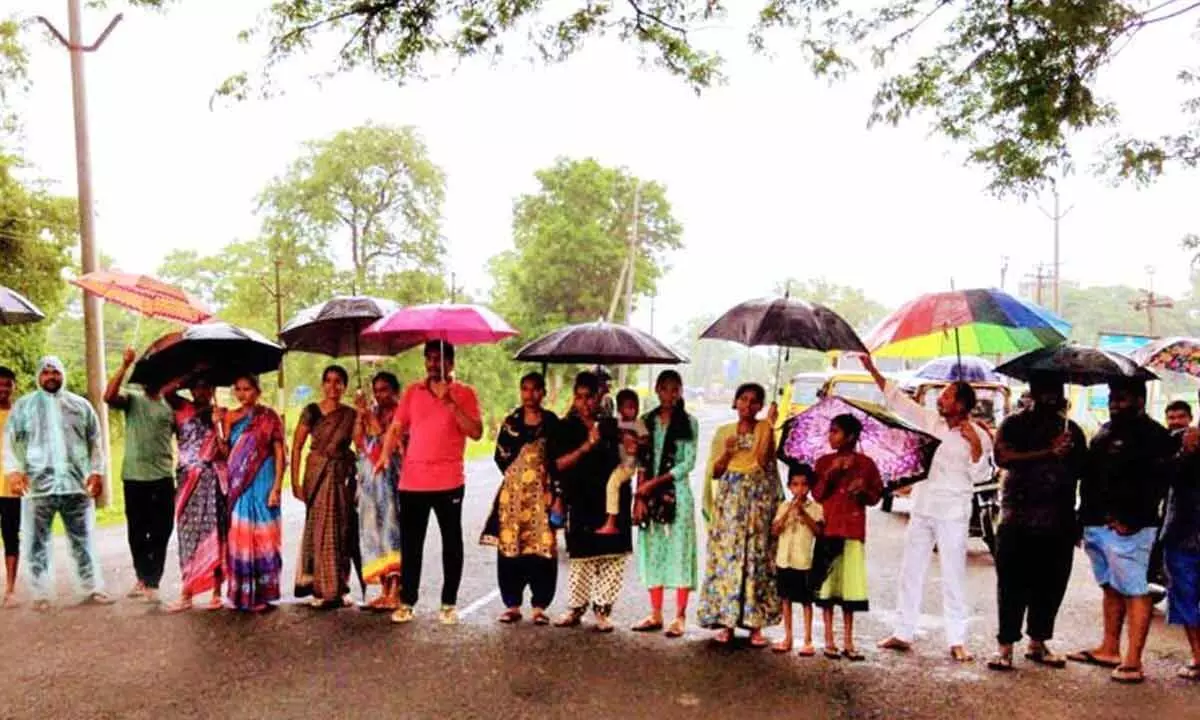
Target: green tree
<point x="1012" y="80"/>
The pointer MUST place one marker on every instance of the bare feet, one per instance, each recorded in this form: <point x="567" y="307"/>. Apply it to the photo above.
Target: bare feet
<point x="216" y="603"/>
<point x="960" y="654"/>
<point x="758" y="640"/>
<point x="10" y="601"/>
<point x="895" y="643"/>
<point x="183" y="604"/>
<point x="782" y="646"/>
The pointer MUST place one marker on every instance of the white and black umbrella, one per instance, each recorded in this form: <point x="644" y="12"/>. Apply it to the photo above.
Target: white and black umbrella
<point x="16" y="309"/>
<point x="334" y="328"/>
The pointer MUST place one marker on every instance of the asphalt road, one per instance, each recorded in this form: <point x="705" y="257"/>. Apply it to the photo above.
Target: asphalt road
<point x="132" y="661"/>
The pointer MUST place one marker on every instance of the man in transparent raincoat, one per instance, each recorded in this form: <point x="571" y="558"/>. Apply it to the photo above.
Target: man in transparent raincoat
<point x="55" y="461"/>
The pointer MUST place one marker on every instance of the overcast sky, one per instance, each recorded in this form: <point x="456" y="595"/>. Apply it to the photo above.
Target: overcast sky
<point x="772" y="175"/>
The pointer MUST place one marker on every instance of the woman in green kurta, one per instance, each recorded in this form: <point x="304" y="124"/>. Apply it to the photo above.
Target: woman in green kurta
<point x="667" y="540"/>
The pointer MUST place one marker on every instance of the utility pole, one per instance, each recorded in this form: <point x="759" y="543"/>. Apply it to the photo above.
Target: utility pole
<point x="1039" y="280"/>
<point x="1149" y="301"/>
<point x="453" y="289"/>
<point x="650" y="368"/>
<point x="1003" y="270"/>
<point x="631" y="265"/>
<point x="1056" y="217"/>
<point x="93" y="318"/>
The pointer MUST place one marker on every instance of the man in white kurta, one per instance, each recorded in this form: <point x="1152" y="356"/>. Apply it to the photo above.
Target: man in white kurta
<point x="941" y="510"/>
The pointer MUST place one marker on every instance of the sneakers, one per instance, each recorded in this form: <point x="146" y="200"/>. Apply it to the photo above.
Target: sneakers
<point x="448" y="615"/>
<point x="403" y="614"/>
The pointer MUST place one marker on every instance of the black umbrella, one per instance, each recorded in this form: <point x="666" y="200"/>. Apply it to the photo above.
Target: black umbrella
<point x="1077" y="364"/>
<point x="217" y="351"/>
<point x="333" y="327"/>
<point x="16" y="309"/>
<point x="599" y="343"/>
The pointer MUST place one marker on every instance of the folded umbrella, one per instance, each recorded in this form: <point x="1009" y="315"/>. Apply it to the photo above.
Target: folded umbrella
<point x="16" y="309"/>
<point x="218" y="352"/>
<point x="599" y="343"/>
<point x="1077" y="365"/>
<point x="902" y="452"/>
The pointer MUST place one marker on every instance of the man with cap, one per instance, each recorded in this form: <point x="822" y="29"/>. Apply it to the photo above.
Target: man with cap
<point x="1044" y="455"/>
<point x="54" y="458"/>
<point x="1129" y="468"/>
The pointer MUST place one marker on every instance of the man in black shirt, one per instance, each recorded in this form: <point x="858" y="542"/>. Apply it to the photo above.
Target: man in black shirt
<point x="1044" y="455"/>
<point x="1128" y="471"/>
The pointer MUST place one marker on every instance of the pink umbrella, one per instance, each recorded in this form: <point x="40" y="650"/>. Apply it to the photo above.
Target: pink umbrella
<point x="455" y="324"/>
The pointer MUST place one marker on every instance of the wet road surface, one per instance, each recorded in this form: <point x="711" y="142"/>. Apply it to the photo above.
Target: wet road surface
<point x="134" y="661"/>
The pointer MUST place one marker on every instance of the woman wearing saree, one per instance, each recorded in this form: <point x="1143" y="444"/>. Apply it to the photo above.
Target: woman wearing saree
<point x="378" y="517"/>
<point x="200" y="509"/>
<point x="257" y="459"/>
<point x="519" y="525"/>
<point x="667" y="541"/>
<point x="327" y="493"/>
<point x="741" y="494"/>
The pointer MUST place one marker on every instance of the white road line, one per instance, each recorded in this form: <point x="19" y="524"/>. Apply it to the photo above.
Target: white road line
<point x="479" y="604"/>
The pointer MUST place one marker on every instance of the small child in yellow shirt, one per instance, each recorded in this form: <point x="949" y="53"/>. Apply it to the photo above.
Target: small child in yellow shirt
<point x="797" y="525"/>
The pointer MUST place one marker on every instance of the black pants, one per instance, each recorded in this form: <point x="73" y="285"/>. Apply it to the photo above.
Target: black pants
<point x="149" y="518"/>
<point x="539" y="574"/>
<point x="415" y="508"/>
<point x="1032" y="571"/>
<point x="10" y="525"/>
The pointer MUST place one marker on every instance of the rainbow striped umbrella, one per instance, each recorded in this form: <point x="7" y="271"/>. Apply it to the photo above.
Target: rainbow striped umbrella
<point x="966" y="322"/>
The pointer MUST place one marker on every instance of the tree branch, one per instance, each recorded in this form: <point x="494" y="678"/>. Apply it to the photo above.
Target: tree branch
<point x="640" y="14"/>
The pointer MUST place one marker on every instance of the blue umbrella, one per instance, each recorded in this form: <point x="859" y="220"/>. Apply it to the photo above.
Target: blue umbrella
<point x="950" y="368"/>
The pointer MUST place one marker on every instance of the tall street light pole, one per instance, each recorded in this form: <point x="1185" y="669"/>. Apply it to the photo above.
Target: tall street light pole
<point x="93" y="319"/>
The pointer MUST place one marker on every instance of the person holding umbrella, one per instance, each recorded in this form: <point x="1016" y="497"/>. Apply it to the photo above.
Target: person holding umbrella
<point x="1044" y="455"/>
<point x="941" y="509"/>
<point x="147" y="474"/>
<point x="438" y="414"/>
<point x="10" y="502"/>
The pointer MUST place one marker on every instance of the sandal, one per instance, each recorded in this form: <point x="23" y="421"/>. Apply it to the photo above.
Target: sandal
<point x="402" y="615"/>
<point x="603" y="625"/>
<point x="758" y="640"/>
<point x="783" y="646"/>
<point x="648" y="625"/>
<point x="676" y="628"/>
<point x="216" y="603"/>
<point x="540" y="618"/>
<point x="570" y="618"/>
<point x="807" y="651"/>
<point x="1000" y="663"/>
<point x="1127" y="675"/>
<point x="98" y="598"/>
<point x="723" y="637"/>
<point x="831" y="653"/>
<point x="509" y="617"/>
<point x="180" y="605"/>
<point x="894" y="643"/>
<point x="853" y="655"/>
<point x="1043" y="656"/>
<point x="1191" y="671"/>
<point x="1088" y="657"/>
<point x="960" y="654"/>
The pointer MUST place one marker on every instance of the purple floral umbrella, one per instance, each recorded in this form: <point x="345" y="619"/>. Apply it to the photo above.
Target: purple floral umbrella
<point x="902" y="452"/>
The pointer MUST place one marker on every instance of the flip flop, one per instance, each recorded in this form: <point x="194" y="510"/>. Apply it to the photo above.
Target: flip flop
<point x="509" y="617"/>
<point x="540" y="618"/>
<point x="832" y="653"/>
<point x="1001" y="663"/>
<point x="853" y="655"/>
<point x="1191" y="671"/>
<point x="1087" y="657"/>
<point x="179" y="606"/>
<point x="1128" y="675"/>
<point x="648" y="625"/>
<point x="759" y="641"/>
<point x="675" y="629"/>
<point x="1047" y="658"/>
<point x="807" y="651"/>
<point x="781" y="647"/>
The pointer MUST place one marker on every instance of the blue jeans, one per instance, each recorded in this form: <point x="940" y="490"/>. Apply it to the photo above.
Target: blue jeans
<point x="79" y="518"/>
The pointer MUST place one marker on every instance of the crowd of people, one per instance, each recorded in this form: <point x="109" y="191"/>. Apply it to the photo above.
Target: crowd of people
<point x="376" y="470"/>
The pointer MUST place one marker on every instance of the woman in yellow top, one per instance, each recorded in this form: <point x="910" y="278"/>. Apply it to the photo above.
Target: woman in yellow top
<point x="741" y="493"/>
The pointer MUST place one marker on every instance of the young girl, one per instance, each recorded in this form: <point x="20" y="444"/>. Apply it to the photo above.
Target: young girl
<point x="797" y="525"/>
<point x="848" y="483"/>
<point x="741" y="493"/>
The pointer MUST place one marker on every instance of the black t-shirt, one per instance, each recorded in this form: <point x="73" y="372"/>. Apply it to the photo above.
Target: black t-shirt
<point x="1040" y="494"/>
<point x="1128" y="471"/>
<point x="584" y="489"/>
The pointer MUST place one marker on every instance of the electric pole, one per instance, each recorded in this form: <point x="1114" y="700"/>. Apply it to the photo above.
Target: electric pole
<point x="1056" y="217"/>
<point x="1003" y="270"/>
<point x="1149" y="301"/>
<point x="93" y="318"/>
<point x="631" y="266"/>
<point x="1039" y="283"/>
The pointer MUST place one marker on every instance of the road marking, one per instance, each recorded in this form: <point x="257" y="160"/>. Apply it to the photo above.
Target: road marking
<point x="479" y="604"/>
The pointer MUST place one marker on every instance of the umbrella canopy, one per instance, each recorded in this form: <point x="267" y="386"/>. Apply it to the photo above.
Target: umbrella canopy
<point x="949" y="368"/>
<point x="966" y="322"/>
<point x="457" y="324"/>
<point x="218" y="351"/>
<point x="1173" y="354"/>
<point x="334" y="327"/>
<point x="1077" y="364"/>
<point x="902" y="452"/>
<point x="785" y="322"/>
<point x="599" y="343"/>
<point x="16" y="309"/>
<point x="144" y="295"/>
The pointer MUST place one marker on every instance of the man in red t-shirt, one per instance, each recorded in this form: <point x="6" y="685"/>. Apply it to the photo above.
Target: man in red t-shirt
<point x="438" y="415"/>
